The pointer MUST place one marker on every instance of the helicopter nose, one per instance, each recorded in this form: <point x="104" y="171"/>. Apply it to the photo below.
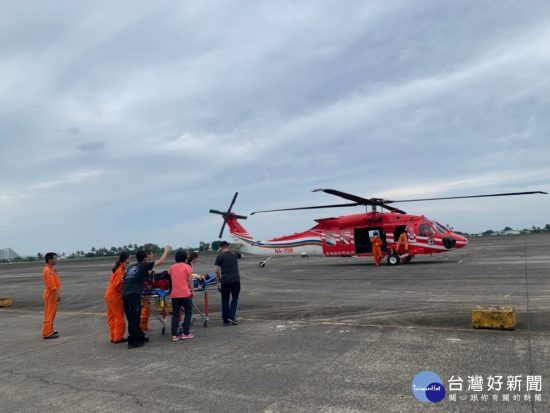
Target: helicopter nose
<point x="461" y="241"/>
<point x="454" y="241"/>
<point x="449" y="242"/>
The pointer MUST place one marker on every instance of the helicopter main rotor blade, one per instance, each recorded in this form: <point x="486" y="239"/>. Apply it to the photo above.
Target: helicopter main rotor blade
<point x="383" y="203"/>
<point x="360" y="200"/>
<point x="469" y="196"/>
<point x="351" y="197"/>
<point x="390" y="208"/>
<point x="309" y="207"/>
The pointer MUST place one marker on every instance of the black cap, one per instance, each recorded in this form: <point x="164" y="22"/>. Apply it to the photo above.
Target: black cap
<point x="224" y="244"/>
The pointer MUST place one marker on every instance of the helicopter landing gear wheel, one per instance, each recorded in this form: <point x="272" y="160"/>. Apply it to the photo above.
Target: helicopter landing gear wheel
<point x="394" y="259"/>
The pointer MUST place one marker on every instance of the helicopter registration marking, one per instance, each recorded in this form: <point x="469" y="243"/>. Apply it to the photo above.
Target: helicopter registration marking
<point x="284" y="250"/>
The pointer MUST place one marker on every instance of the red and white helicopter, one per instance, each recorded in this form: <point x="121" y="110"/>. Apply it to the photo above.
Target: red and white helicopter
<point x="351" y="235"/>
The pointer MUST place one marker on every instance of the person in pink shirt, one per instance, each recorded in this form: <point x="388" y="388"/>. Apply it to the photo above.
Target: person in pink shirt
<point x="181" y="295"/>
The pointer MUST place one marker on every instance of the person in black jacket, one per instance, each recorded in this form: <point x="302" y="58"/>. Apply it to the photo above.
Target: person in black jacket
<point x="131" y="293"/>
<point x="227" y="271"/>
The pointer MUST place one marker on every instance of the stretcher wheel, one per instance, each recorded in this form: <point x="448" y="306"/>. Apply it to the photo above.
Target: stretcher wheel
<point x="163" y="330"/>
<point x="205" y="323"/>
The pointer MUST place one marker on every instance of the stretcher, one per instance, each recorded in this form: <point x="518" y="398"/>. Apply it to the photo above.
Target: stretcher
<point x="157" y="294"/>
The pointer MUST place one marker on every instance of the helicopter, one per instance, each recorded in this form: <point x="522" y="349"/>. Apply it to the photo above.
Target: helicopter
<point x="351" y="235"/>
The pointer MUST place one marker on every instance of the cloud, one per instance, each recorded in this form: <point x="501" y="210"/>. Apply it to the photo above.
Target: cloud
<point x="72" y="178"/>
<point x="91" y="146"/>
<point x="172" y="108"/>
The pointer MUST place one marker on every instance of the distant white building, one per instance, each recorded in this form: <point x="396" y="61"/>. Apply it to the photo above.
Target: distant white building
<point x="8" y="254"/>
<point x="511" y="232"/>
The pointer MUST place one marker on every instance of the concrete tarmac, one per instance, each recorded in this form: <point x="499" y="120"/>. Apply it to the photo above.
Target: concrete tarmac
<point x="315" y="335"/>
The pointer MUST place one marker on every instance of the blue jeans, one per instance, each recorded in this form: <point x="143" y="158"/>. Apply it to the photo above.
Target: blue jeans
<point x="229" y="311"/>
<point x="177" y="305"/>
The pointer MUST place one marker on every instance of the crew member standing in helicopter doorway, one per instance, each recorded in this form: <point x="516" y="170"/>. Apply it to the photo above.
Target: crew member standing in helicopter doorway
<point x="402" y="245"/>
<point x="376" y="248"/>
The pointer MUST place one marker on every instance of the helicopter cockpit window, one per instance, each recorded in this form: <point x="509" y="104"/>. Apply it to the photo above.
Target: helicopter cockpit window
<point x="426" y="230"/>
<point x="440" y="227"/>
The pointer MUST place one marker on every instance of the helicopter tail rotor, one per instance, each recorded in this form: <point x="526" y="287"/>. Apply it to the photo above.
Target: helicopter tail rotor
<point x="227" y="214"/>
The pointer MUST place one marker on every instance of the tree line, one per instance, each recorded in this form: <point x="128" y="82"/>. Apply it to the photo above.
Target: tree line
<point x="506" y="230"/>
<point x="114" y="251"/>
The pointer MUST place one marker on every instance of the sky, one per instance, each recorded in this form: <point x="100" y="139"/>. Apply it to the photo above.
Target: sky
<point x="125" y="122"/>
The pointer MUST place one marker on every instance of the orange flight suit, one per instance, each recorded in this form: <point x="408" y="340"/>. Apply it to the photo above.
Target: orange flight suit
<point x="403" y="241"/>
<point x="144" y="317"/>
<point x="115" y="306"/>
<point x="145" y="313"/>
<point x="377" y="250"/>
<point x="52" y="287"/>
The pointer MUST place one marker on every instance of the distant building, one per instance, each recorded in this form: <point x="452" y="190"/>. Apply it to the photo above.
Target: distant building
<point x="511" y="232"/>
<point x="8" y="254"/>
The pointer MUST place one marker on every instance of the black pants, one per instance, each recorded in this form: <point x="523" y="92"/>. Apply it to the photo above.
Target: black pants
<point x="229" y="311"/>
<point x="177" y="304"/>
<point x="132" y="309"/>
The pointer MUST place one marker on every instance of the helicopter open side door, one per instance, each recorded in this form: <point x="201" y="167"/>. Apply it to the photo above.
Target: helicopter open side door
<point x="362" y="238"/>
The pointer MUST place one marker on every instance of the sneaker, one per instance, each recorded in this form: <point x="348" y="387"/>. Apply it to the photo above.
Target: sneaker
<point x="145" y="339"/>
<point x="226" y="322"/>
<point x="234" y="322"/>
<point x="176" y="338"/>
<point x="51" y="337"/>
<point x="187" y="336"/>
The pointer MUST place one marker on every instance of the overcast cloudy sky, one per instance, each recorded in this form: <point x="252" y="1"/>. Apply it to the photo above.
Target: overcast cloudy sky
<point x="125" y="122"/>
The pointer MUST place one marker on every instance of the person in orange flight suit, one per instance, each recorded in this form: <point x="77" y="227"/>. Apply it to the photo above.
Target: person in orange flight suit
<point x="145" y="304"/>
<point x="145" y="313"/>
<point x="377" y="249"/>
<point x="113" y="298"/>
<point x="52" y="290"/>
<point x="402" y="245"/>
